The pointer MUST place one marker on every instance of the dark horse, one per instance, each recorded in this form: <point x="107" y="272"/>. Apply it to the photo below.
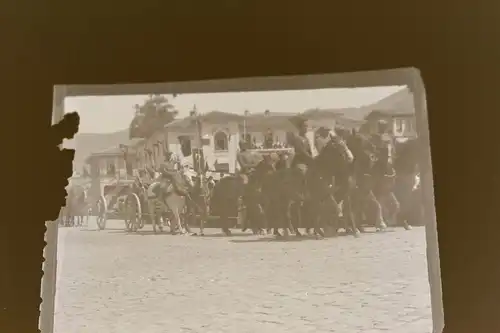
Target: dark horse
<point x="224" y="200"/>
<point x="407" y="167"/>
<point x="258" y="193"/>
<point x="365" y="208"/>
<point x="330" y="184"/>
<point x="314" y="192"/>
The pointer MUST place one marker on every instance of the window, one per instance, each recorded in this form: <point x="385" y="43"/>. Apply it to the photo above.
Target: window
<point x="111" y="169"/>
<point x="411" y="125"/>
<point x="220" y="141"/>
<point x="186" y="148"/>
<point x="399" y="125"/>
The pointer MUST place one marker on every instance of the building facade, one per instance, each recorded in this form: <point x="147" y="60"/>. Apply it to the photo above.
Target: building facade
<point x="222" y="132"/>
<point x="401" y="124"/>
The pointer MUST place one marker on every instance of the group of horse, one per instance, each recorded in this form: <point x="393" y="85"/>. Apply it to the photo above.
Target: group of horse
<point x="76" y="211"/>
<point x="349" y="185"/>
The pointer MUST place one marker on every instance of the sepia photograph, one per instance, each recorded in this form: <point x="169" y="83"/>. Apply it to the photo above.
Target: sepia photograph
<point x="281" y="204"/>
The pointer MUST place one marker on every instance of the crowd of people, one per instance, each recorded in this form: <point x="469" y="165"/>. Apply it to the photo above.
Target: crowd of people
<point x="354" y="181"/>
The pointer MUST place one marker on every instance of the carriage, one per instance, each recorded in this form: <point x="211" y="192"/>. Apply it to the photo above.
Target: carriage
<point x="129" y="200"/>
<point x="119" y="200"/>
<point x="142" y="207"/>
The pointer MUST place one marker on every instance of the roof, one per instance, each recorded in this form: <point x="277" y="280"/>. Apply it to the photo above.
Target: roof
<point x="389" y="113"/>
<point x="259" y="120"/>
<point x="325" y="113"/>
<point x="134" y="142"/>
<point x="212" y="116"/>
<point x="263" y="121"/>
<point x="109" y="152"/>
<point x="348" y="122"/>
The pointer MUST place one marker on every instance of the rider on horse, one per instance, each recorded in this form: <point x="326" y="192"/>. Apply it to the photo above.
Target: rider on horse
<point x="384" y="173"/>
<point x="169" y="172"/>
<point x="384" y="146"/>
<point x="302" y="162"/>
<point x="303" y="153"/>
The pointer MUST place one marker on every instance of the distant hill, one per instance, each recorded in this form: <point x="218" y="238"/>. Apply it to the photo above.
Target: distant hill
<point x="88" y="143"/>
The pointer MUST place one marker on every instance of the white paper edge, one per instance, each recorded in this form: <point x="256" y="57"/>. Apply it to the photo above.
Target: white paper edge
<point x="404" y="76"/>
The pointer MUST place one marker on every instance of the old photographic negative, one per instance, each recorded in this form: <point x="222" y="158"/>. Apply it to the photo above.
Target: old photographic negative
<point x="284" y="204"/>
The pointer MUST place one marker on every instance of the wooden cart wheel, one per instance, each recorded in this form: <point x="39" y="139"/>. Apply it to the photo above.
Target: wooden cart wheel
<point x="102" y="213"/>
<point x="134" y="212"/>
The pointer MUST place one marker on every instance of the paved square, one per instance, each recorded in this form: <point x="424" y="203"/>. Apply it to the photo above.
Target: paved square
<point x="113" y="282"/>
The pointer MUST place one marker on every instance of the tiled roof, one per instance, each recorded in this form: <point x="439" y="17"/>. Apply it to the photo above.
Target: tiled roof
<point x="262" y="121"/>
<point x="134" y="142"/>
<point x="187" y="122"/>
<point x="115" y="150"/>
<point x="322" y="113"/>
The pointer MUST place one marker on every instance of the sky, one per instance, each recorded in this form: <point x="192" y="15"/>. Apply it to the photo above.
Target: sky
<point x="106" y="114"/>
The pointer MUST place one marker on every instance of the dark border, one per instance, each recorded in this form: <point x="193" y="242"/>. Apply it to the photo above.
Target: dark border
<point x="453" y="47"/>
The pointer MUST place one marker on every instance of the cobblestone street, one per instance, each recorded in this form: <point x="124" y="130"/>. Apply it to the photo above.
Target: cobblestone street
<point x="114" y="282"/>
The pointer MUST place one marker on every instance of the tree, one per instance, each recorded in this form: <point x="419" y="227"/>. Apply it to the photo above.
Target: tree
<point x="152" y="115"/>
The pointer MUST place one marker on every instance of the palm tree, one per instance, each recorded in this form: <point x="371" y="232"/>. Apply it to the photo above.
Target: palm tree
<point x="152" y="115"/>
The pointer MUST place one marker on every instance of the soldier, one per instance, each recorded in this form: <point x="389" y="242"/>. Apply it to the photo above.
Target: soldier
<point x="257" y="194"/>
<point x="301" y="163"/>
<point x="244" y="158"/>
<point x="303" y="153"/>
<point x="282" y="162"/>
<point x="186" y="188"/>
<point x="384" y="173"/>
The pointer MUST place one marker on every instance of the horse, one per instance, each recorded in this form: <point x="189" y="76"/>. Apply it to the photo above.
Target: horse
<point x="406" y="182"/>
<point x="258" y="194"/>
<point x="225" y="199"/>
<point x="76" y="208"/>
<point x="310" y="191"/>
<point x="81" y="208"/>
<point x="330" y="183"/>
<point x="165" y="193"/>
<point x="365" y="208"/>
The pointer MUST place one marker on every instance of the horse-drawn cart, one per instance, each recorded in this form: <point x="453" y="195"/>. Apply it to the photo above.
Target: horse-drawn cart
<point x="143" y="207"/>
<point x="118" y="200"/>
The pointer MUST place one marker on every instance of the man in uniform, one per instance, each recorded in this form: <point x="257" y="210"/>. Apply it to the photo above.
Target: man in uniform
<point x="261" y="193"/>
<point x="384" y="173"/>
<point x="301" y="162"/>
<point x="246" y="161"/>
<point x="303" y="153"/>
<point x="384" y="143"/>
<point x="170" y="173"/>
<point x="187" y="188"/>
<point x="244" y="158"/>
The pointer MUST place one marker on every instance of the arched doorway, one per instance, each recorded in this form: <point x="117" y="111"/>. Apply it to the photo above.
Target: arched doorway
<point x="221" y="141"/>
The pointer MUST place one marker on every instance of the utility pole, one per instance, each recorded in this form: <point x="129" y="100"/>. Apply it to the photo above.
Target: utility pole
<point x="201" y="168"/>
<point x="245" y="126"/>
